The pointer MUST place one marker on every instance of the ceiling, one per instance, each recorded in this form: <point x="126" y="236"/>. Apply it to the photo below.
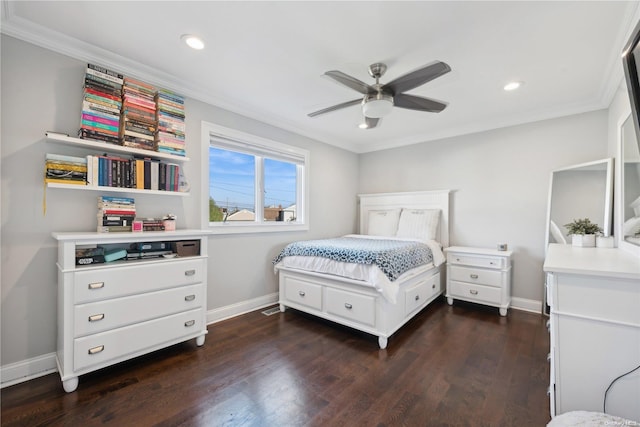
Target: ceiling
<point x="265" y="60"/>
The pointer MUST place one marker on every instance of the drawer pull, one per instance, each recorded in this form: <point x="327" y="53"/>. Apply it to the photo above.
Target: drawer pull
<point x="96" y="285"/>
<point x="433" y="286"/>
<point x="473" y="292"/>
<point x="348" y="306"/>
<point x="189" y="323"/>
<point x="492" y="263"/>
<point x="548" y="357"/>
<point x="190" y="297"/>
<point x="473" y="276"/>
<point x="96" y="317"/>
<point x="417" y="297"/>
<point x="301" y="293"/>
<point x="189" y="272"/>
<point x="96" y="350"/>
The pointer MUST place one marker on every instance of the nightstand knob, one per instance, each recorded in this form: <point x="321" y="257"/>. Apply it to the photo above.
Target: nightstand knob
<point x="417" y="297"/>
<point x="473" y="292"/>
<point x="473" y="276"/>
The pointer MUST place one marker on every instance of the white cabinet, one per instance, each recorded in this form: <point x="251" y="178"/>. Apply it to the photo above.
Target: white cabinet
<point x="594" y="300"/>
<point x="111" y="312"/>
<point x="479" y="275"/>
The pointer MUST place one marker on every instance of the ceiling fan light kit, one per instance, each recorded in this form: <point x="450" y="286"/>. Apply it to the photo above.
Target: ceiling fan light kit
<point x="379" y="99"/>
<point x="377" y="106"/>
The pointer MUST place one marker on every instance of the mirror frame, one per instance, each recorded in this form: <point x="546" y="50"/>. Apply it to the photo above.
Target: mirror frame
<point x="622" y="244"/>
<point x="607" y="225"/>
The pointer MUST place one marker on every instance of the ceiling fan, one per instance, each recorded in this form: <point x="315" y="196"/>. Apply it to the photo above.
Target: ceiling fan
<point x="379" y="99"/>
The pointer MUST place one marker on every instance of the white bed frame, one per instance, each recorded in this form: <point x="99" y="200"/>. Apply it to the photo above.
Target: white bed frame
<point x="347" y="301"/>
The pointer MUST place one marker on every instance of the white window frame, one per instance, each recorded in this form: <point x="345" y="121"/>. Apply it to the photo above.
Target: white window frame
<point x="228" y="138"/>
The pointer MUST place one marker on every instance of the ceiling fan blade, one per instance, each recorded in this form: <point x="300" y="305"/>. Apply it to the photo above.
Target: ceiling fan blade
<point x="419" y="103"/>
<point x="335" y="107"/>
<point x="371" y="122"/>
<point x="416" y="78"/>
<point x="350" y="82"/>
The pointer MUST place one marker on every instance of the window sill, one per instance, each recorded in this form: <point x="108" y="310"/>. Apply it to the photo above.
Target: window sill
<point x="230" y="228"/>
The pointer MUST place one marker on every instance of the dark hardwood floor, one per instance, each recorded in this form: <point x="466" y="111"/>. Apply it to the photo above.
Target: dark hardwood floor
<point x="449" y="366"/>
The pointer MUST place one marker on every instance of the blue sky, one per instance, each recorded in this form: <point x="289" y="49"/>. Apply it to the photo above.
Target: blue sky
<point x="231" y="180"/>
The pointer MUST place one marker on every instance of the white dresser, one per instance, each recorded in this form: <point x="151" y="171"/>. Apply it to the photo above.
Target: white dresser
<point x="113" y="311"/>
<point x="479" y="275"/>
<point x="594" y="300"/>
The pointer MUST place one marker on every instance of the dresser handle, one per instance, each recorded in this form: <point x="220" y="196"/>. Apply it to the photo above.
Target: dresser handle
<point x="189" y="272"/>
<point x="473" y="292"/>
<point x="348" y="306"/>
<point x="96" y="350"/>
<point x="189" y="323"/>
<point x="189" y="297"/>
<point x="417" y="297"/>
<point x="433" y="286"/>
<point x="473" y="276"/>
<point x="301" y="293"/>
<point x="96" y="285"/>
<point x="548" y="357"/>
<point x="96" y="317"/>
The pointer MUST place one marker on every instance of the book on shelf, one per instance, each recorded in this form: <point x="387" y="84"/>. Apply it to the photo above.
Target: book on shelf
<point x="114" y="228"/>
<point x="102" y="80"/>
<point x="116" y="200"/>
<point x="105" y="73"/>
<point x="95" y="135"/>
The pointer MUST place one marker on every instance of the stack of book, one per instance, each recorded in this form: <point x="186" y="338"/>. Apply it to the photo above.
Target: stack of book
<point x="171" y="127"/>
<point x="115" y="214"/>
<point x="152" y="224"/>
<point x="101" y="103"/>
<point x="61" y="169"/>
<point x="138" y="121"/>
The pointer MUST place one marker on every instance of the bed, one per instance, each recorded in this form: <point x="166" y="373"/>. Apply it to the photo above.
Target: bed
<point x="374" y="296"/>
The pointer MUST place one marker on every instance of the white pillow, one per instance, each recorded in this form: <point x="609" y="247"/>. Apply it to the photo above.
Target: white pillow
<point x="419" y="224"/>
<point x="383" y="222"/>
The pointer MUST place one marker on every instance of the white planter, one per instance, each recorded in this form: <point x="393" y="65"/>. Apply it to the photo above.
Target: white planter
<point x="604" y="241"/>
<point x="583" y="240"/>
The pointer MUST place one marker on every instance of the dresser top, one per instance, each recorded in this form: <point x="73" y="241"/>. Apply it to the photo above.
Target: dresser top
<point x="610" y="262"/>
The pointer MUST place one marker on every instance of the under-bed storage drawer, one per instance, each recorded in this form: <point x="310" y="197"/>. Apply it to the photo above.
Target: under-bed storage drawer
<point x="423" y="291"/>
<point x="303" y="292"/>
<point x="352" y="306"/>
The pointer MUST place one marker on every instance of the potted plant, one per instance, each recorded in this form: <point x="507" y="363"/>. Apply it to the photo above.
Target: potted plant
<point x="583" y="232"/>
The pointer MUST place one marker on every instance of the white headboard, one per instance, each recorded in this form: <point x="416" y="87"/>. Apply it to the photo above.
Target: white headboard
<point x="411" y="200"/>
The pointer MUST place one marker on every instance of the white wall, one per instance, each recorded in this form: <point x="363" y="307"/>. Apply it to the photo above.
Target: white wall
<point x="42" y="90"/>
<point x="500" y="183"/>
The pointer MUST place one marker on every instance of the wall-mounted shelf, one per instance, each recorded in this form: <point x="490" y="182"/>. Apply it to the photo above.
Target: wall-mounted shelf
<point x="116" y="189"/>
<point x="62" y="138"/>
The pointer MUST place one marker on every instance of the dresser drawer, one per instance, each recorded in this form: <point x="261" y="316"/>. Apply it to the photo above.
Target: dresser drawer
<point x="477" y="261"/>
<point x="117" y="343"/>
<point x="113" y="313"/>
<point x="476" y="275"/>
<point x="102" y="283"/>
<point x="476" y="293"/>
<point x="357" y="307"/>
<point x="416" y="296"/>
<point x="303" y="292"/>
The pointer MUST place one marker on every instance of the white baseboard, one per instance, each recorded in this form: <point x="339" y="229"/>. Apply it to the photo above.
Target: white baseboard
<point x="229" y="311"/>
<point x="29" y="369"/>
<point x="525" y="304"/>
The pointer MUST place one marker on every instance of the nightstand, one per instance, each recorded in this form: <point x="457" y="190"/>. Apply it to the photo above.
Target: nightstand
<point x="479" y="275"/>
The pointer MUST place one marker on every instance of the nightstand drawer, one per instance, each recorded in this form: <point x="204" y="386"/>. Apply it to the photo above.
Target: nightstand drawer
<point x="472" y="292"/>
<point x="476" y="275"/>
<point x="477" y="261"/>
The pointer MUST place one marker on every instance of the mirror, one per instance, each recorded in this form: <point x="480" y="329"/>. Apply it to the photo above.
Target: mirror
<point x="579" y="191"/>
<point x="629" y="155"/>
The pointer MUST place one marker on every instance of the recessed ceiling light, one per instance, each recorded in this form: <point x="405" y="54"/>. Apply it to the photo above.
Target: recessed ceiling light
<point x="512" y="86"/>
<point x="193" y="41"/>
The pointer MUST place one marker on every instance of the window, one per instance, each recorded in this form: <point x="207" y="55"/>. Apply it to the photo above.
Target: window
<point x="254" y="184"/>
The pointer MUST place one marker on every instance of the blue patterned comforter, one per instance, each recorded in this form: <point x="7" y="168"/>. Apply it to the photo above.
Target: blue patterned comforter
<point x="393" y="257"/>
